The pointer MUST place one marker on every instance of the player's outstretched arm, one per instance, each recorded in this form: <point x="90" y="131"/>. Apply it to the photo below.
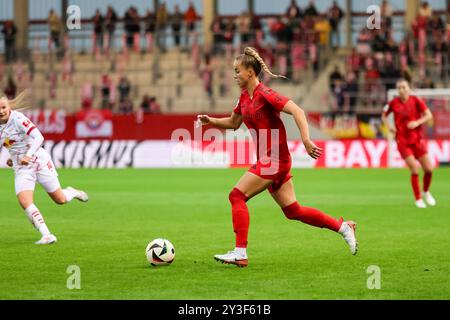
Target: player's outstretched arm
<point x="234" y="121"/>
<point x="302" y="123"/>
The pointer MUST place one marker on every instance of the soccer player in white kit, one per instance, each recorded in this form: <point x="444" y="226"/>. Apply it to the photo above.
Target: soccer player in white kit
<point x="31" y="164"/>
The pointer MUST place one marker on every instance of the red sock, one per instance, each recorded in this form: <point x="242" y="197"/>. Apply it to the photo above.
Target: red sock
<point x="415" y="186"/>
<point x="427" y="181"/>
<point x="312" y="217"/>
<point x="241" y="218"/>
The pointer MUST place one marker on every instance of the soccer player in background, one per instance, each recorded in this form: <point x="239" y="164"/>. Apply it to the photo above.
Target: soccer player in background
<point x="410" y="113"/>
<point x="259" y="108"/>
<point x="31" y="164"/>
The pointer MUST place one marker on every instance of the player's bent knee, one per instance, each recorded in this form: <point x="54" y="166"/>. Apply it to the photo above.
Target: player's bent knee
<point x="237" y="195"/>
<point x="428" y="170"/>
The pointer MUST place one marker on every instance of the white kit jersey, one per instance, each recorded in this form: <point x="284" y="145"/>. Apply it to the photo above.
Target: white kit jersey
<point x="15" y="136"/>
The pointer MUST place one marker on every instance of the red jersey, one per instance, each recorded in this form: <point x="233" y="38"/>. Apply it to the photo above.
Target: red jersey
<point x="405" y="112"/>
<point x="262" y="112"/>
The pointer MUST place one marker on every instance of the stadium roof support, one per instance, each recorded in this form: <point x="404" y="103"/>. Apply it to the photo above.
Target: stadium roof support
<point x="209" y="12"/>
<point x="21" y="22"/>
<point x="412" y="7"/>
<point x="348" y="22"/>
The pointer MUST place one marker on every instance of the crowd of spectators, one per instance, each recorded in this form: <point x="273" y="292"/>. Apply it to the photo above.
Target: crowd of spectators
<point x="297" y="36"/>
<point x="378" y="61"/>
<point x="289" y="43"/>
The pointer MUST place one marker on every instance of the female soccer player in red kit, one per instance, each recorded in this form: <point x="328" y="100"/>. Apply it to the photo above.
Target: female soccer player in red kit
<point x="259" y="108"/>
<point x="410" y="113"/>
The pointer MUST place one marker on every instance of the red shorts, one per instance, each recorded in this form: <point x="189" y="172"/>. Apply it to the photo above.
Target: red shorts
<point x="418" y="149"/>
<point x="278" y="174"/>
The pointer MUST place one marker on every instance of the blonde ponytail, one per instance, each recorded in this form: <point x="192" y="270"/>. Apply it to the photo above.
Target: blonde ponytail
<point x="249" y="51"/>
<point x="20" y="102"/>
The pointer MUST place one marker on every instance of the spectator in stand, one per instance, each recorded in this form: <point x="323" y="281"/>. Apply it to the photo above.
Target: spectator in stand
<point x="54" y="23"/>
<point x="136" y="28"/>
<point x="87" y="96"/>
<point x="378" y="43"/>
<point x="334" y="77"/>
<point x="111" y="19"/>
<point x="218" y="28"/>
<point x="257" y="37"/>
<point x="98" y="21"/>
<point x="322" y="30"/>
<point x="243" y="27"/>
<point x="161" y="24"/>
<point x="124" y="88"/>
<point x="150" y="26"/>
<point x="154" y="106"/>
<point x="441" y="53"/>
<point x="389" y="73"/>
<point x="311" y="10"/>
<point x="339" y="95"/>
<point x="386" y="13"/>
<point x="351" y="91"/>
<point x="207" y="76"/>
<point x="436" y="25"/>
<point x="105" y="89"/>
<point x="372" y="84"/>
<point x="278" y="30"/>
<point x="176" y="22"/>
<point x="128" y="21"/>
<point x="145" y="104"/>
<point x="335" y="15"/>
<point x="293" y="12"/>
<point x="9" y="35"/>
<point x="190" y="20"/>
<point x="132" y="27"/>
<point x="228" y="36"/>
<point x="363" y="42"/>
<point x="10" y="89"/>
<point x="354" y="62"/>
<point x="126" y="106"/>
<point x="425" y="10"/>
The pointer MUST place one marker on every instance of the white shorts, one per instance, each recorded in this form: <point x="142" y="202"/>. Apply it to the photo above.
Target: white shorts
<point x="42" y="171"/>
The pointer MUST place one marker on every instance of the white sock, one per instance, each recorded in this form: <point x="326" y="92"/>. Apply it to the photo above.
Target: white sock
<point x="36" y="218"/>
<point x="70" y="194"/>
<point x="241" y="251"/>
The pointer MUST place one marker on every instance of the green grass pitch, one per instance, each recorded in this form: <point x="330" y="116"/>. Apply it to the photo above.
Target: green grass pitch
<point x="107" y="237"/>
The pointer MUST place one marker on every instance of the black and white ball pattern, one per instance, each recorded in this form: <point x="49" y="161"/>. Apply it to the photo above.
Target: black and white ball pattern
<point x="160" y="252"/>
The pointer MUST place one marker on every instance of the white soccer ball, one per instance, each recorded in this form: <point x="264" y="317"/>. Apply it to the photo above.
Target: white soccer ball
<point x="160" y="252"/>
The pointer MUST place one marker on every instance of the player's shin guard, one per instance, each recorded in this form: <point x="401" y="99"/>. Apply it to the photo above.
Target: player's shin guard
<point x="427" y="181"/>
<point x="35" y="217"/>
<point x="241" y="219"/>
<point x="312" y="217"/>
<point x="415" y="186"/>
